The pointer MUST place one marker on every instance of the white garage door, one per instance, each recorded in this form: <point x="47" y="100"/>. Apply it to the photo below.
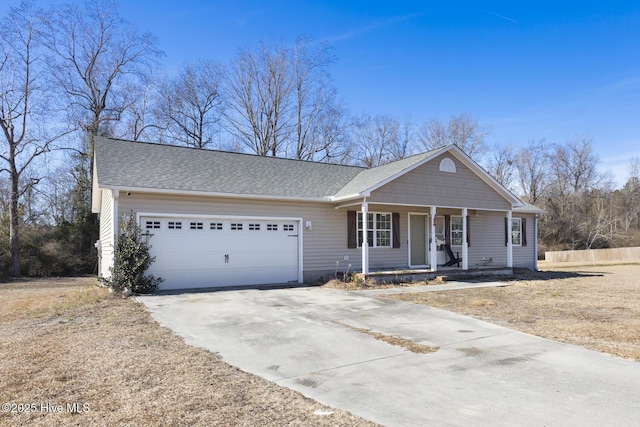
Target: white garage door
<point x="200" y="253"/>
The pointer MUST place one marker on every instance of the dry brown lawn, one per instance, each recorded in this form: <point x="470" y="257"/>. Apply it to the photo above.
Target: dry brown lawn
<point x="597" y="307"/>
<point x="66" y="341"/>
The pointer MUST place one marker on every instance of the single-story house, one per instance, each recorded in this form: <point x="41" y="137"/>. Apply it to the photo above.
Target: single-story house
<point x="229" y="219"/>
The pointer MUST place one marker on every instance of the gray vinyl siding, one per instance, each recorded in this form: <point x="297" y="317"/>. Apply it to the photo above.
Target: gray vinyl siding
<point x="323" y="245"/>
<point x="106" y="233"/>
<point x="487" y="239"/>
<point x="525" y="256"/>
<point x="426" y="185"/>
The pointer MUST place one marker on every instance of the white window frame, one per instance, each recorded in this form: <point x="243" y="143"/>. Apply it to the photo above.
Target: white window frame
<point x="457" y="231"/>
<point x="374" y="230"/>
<point x="518" y="230"/>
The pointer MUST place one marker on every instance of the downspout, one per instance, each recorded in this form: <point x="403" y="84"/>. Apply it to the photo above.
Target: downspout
<point x="365" y="243"/>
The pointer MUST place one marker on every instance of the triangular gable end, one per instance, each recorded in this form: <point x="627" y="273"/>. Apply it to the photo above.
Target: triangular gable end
<point x="429" y="182"/>
<point x="486" y="177"/>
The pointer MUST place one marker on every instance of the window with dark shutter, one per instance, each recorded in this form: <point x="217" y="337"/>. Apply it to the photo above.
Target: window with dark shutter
<point x="506" y="231"/>
<point x="447" y="229"/>
<point x="395" y="219"/>
<point x="352" y="230"/>
<point x="468" y="233"/>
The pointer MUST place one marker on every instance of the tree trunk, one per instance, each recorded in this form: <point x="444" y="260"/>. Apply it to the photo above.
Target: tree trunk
<point x="14" y="246"/>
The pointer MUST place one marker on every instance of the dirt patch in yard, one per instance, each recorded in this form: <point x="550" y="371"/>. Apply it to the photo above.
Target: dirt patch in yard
<point x="72" y="355"/>
<point x="597" y="307"/>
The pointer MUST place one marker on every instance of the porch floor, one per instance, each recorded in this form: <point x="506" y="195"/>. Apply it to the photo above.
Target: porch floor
<point x="445" y="273"/>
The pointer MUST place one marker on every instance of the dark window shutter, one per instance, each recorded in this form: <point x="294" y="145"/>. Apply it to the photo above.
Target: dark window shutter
<point x="524" y="232"/>
<point x="352" y="229"/>
<point x="395" y="224"/>
<point x="468" y="233"/>
<point x="506" y="231"/>
<point x="447" y="229"/>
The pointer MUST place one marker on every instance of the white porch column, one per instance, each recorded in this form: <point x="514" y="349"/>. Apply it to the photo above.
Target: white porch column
<point x="509" y="242"/>
<point x="465" y="244"/>
<point x="535" y="243"/>
<point x="365" y="242"/>
<point x="433" y="245"/>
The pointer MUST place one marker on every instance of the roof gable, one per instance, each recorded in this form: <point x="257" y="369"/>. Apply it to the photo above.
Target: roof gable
<point x="430" y="184"/>
<point x="372" y="179"/>
<point x="139" y="166"/>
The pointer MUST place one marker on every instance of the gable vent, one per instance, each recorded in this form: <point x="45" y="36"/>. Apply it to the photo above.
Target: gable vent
<point x="447" y="165"/>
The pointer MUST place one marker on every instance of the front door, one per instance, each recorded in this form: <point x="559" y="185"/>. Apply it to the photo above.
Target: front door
<point x="419" y="241"/>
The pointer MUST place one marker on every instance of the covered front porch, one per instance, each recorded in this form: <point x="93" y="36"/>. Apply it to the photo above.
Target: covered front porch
<point x="428" y="241"/>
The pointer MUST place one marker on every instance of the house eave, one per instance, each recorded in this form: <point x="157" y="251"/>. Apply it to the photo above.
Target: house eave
<point x="349" y="197"/>
<point x="177" y="192"/>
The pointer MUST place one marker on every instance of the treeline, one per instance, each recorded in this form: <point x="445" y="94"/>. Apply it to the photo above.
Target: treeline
<point x="78" y="70"/>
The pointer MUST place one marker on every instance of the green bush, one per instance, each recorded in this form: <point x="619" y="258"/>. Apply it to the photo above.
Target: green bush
<point x="132" y="260"/>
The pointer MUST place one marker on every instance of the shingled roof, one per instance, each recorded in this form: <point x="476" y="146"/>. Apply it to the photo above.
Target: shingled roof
<point x="369" y="178"/>
<point x="126" y="164"/>
<point x="143" y="166"/>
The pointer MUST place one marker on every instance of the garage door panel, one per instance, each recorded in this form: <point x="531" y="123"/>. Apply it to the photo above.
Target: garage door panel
<point x="223" y="252"/>
<point x="255" y="259"/>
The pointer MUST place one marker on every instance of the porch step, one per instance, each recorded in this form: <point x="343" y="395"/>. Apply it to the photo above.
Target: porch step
<point x="404" y="276"/>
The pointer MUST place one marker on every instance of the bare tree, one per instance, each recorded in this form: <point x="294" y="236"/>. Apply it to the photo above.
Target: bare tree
<point x="192" y="103"/>
<point x="24" y="111"/>
<point x="96" y="57"/>
<point x="377" y="140"/>
<point x="633" y="168"/>
<point x="532" y="164"/>
<point x="462" y="131"/>
<point x="502" y="165"/>
<point x="144" y="118"/>
<point x="628" y="204"/>
<point x="314" y="96"/>
<point x="574" y="165"/>
<point x="330" y="136"/>
<point x="258" y="94"/>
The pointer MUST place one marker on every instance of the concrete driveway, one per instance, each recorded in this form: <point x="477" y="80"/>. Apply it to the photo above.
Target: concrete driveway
<point x="482" y="374"/>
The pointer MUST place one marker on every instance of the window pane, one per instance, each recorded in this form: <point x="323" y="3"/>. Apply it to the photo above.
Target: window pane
<point x="383" y="238"/>
<point x="516" y="228"/>
<point x="456" y="223"/>
<point x="383" y="221"/>
<point x="456" y="230"/>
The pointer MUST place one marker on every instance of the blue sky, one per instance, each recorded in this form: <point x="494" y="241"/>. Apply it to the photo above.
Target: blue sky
<point x="529" y="70"/>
